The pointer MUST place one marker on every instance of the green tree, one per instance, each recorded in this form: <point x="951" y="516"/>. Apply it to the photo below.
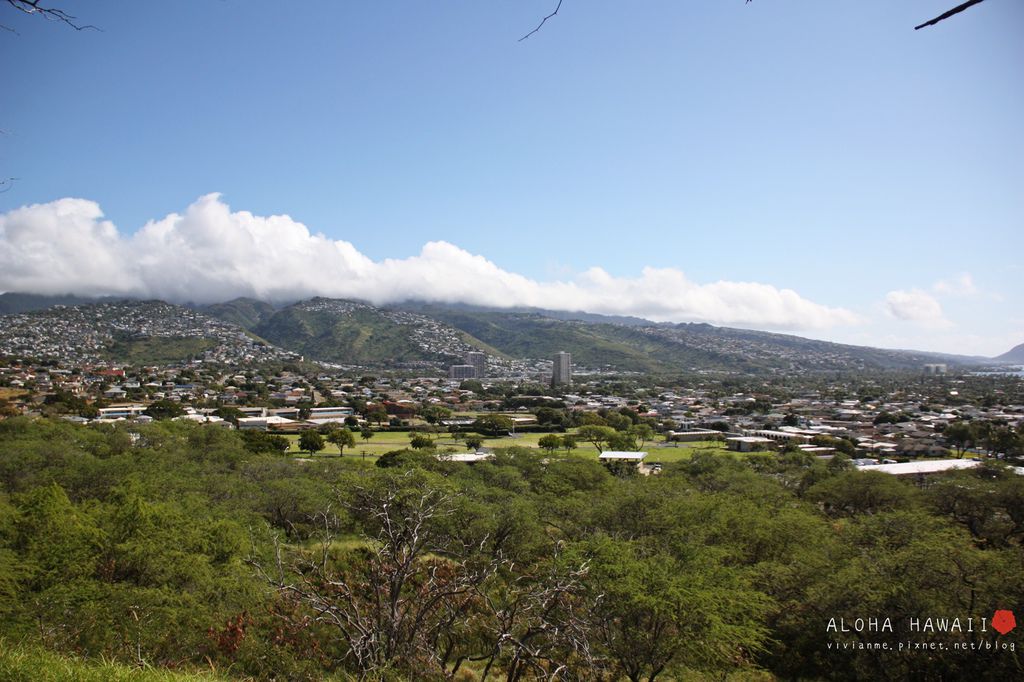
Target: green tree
<point x="493" y="424"/>
<point x="640" y="434"/>
<point x="164" y="409"/>
<point x="473" y="385"/>
<point x="653" y="612"/>
<point x="311" y="442"/>
<point x="598" y="436"/>
<point x="421" y="442"/>
<point x="960" y="435"/>
<point x="377" y="414"/>
<point x="863" y="492"/>
<point x="550" y="416"/>
<point x="261" y="441"/>
<point x="589" y="419"/>
<point x="435" y="414"/>
<point x="474" y="442"/>
<point x="569" y="442"/>
<point x="343" y="438"/>
<point x="550" y="442"/>
<point x="619" y="421"/>
<point x="229" y="413"/>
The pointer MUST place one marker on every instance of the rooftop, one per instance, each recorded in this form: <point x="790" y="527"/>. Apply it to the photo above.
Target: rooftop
<point x="933" y="466"/>
<point x="622" y="455"/>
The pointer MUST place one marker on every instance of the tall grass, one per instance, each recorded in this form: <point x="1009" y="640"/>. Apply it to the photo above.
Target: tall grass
<point x="22" y="663"/>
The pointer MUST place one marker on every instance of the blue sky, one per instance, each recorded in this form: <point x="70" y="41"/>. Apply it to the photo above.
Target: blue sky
<point x="823" y="148"/>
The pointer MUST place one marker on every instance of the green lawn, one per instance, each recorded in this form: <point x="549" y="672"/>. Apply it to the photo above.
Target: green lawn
<point x="20" y="663"/>
<point x="386" y="441"/>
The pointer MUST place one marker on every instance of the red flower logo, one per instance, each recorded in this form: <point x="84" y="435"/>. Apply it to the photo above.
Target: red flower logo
<point x="1003" y="621"/>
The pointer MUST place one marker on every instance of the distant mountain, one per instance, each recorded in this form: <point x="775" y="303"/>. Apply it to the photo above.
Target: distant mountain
<point x="788" y="352"/>
<point x="353" y="332"/>
<point x="1013" y="356"/>
<point x="576" y="315"/>
<point x="130" y="332"/>
<point x="666" y="347"/>
<point x="14" y="302"/>
<point x="245" y="312"/>
<point x="350" y="332"/>
<point x="416" y="333"/>
<point x="594" y="345"/>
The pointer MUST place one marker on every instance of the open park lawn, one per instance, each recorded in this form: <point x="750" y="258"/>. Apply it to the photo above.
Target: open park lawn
<point x="386" y="441"/>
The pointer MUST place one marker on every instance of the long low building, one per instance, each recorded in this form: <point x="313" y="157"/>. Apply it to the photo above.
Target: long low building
<point x="748" y="443"/>
<point x="921" y="467"/>
<point x="782" y="436"/>
<point x="265" y="423"/>
<point x="466" y="457"/>
<point x="617" y="458"/>
<point x="693" y="435"/>
<point x="129" y="411"/>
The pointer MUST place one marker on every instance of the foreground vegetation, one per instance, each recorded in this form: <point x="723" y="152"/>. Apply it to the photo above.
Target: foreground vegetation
<point x="21" y="663"/>
<point x="171" y="546"/>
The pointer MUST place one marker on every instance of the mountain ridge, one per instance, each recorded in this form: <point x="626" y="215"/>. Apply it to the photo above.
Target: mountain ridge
<point x="356" y="332"/>
<point x="1013" y="356"/>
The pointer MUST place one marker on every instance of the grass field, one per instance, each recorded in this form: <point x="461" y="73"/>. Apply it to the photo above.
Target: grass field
<point x="20" y="663"/>
<point x="386" y="441"/>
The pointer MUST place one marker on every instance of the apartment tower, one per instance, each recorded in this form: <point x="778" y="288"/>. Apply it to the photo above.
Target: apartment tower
<point x="561" y="373"/>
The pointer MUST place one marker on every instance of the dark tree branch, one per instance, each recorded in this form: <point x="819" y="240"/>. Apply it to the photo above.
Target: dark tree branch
<point x="947" y="15"/>
<point x="542" y="21"/>
<point x="52" y="13"/>
<point x="941" y="17"/>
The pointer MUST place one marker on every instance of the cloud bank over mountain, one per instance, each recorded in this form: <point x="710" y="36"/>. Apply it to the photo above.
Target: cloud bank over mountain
<point x="211" y="253"/>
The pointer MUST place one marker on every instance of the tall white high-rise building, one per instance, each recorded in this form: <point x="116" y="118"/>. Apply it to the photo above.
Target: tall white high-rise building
<point x="561" y="373"/>
<point x="479" y="362"/>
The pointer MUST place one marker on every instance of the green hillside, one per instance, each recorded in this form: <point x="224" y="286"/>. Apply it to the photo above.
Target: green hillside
<point x="351" y="332"/>
<point x="604" y="342"/>
<point x="158" y="350"/>
<point x="593" y="345"/>
<point x="245" y="312"/>
<point x="358" y="333"/>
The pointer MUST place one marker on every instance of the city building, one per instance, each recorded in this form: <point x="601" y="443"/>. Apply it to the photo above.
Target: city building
<point x="461" y="372"/>
<point x="479" y="362"/>
<point x="748" y="443"/>
<point x="561" y="373"/>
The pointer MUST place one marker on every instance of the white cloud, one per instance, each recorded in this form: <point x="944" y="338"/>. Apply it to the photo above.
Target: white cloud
<point x="61" y="247"/>
<point x="959" y="285"/>
<point x="211" y="254"/>
<point x="915" y="306"/>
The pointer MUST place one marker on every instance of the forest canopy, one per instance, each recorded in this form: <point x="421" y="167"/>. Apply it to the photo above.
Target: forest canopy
<point x="185" y="546"/>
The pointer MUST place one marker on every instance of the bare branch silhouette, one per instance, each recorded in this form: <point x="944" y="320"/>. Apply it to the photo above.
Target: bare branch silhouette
<point x="52" y="13"/>
<point x="947" y="15"/>
<point x="542" y="21"/>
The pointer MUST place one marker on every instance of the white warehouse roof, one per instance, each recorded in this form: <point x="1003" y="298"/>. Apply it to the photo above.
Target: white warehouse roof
<point x="623" y="455"/>
<point x="925" y="466"/>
